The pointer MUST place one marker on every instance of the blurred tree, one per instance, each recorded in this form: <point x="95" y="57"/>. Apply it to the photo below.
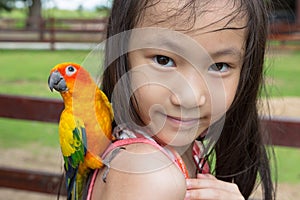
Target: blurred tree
<point x="284" y="11"/>
<point x="34" y="18"/>
<point x="34" y="14"/>
<point x="105" y="10"/>
<point x="80" y="9"/>
<point x="7" y="5"/>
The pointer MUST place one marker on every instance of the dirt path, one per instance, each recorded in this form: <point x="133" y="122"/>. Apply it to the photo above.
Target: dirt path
<point x="287" y="107"/>
<point x="284" y="192"/>
<point x="49" y="159"/>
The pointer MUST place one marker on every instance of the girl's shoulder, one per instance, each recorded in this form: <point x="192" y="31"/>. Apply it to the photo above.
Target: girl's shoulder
<point x="139" y="169"/>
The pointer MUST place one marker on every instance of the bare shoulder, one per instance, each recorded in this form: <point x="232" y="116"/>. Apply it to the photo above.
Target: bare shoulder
<point x="140" y="171"/>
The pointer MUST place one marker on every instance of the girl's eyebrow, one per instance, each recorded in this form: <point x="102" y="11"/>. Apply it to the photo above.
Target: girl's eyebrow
<point x="162" y="43"/>
<point x="230" y="51"/>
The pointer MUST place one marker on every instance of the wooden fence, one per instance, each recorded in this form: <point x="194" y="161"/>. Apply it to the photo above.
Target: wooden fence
<point x="34" y="109"/>
<point x="56" y="30"/>
<point x="288" y="35"/>
<point x="53" y="30"/>
<point x="284" y="132"/>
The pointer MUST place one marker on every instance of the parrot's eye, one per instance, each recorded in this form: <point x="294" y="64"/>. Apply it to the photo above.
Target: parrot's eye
<point x="70" y="70"/>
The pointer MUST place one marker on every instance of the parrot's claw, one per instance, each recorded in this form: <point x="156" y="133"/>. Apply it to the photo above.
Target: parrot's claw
<point x="107" y="161"/>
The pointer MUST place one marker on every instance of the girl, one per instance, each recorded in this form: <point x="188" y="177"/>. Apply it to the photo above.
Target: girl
<point x="178" y="73"/>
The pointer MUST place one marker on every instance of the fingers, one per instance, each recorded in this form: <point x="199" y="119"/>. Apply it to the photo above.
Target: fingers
<point x="210" y="194"/>
<point x="204" y="194"/>
<point x="209" y="181"/>
<point x="206" y="186"/>
<point x="208" y="176"/>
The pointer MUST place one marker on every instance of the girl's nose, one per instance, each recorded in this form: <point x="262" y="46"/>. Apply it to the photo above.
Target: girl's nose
<point x="190" y="91"/>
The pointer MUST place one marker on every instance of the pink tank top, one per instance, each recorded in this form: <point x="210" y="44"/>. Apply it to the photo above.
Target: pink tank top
<point x="126" y="137"/>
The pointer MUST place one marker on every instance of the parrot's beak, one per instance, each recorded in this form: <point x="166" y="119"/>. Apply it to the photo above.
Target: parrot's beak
<point x="56" y="81"/>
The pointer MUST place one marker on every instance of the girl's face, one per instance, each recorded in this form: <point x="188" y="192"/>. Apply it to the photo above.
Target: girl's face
<point x="185" y="80"/>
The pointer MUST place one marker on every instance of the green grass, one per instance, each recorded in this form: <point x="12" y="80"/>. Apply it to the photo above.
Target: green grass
<point x="22" y="14"/>
<point x="283" y="74"/>
<point x="288" y="162"/>
<point x="25" y="72"/>
<point x="21" y="134"/>
<point x="73" y="14"/>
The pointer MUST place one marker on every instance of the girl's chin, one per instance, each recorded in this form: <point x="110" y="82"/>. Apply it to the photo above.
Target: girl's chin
<point x="178" y="138"/>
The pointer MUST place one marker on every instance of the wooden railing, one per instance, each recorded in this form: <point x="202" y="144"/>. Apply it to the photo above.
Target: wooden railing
<point x="53" y="30"/>
<point x="283" y="131"/>
<point x="288" y="35"/>
<point x="34" y="109"/>
<point x="56" y="30"/>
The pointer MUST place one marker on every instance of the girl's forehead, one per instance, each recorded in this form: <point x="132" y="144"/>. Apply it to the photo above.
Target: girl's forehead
<point x="189" y="15"/>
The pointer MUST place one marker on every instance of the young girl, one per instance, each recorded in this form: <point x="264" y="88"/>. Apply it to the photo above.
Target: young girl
<point x="179" y="73"/>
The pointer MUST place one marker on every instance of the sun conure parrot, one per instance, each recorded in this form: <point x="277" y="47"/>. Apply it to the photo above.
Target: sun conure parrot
<point x="84" y="126"/>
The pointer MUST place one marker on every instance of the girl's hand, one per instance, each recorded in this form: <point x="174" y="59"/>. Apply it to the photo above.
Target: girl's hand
<point x="206" y="187"/>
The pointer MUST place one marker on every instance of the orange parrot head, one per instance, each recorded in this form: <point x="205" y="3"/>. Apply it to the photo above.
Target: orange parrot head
<point x="63" y="76"/>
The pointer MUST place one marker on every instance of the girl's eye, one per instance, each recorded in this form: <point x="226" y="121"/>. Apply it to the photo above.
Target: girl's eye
<point x="70" y="70"/>
<point x="219" y="67"/>
<point x="164" y="61"/>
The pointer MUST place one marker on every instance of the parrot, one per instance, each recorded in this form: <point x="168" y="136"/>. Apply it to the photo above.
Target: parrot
<point x="85" y="125"/>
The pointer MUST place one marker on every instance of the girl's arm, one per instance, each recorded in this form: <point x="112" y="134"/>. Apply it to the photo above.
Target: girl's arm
<point x="140" y="172"/>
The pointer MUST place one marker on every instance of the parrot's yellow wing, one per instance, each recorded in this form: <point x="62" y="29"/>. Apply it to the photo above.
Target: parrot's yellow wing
<point x="74" y="147"/>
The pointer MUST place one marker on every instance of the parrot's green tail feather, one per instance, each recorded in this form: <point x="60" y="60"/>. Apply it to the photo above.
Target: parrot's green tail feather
<point x="78" y="187"/>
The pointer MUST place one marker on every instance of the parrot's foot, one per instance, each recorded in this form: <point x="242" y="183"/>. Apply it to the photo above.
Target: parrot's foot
<point x="107" y="161"/>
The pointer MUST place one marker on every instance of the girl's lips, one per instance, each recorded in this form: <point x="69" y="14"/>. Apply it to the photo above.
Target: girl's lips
<point x="183" y="121"/>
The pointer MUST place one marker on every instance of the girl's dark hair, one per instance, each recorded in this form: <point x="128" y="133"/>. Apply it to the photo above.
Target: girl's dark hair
<point x="240" y="151"/>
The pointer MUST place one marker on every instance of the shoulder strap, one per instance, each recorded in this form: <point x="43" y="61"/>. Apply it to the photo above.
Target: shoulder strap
<point x="172" y="155"/>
